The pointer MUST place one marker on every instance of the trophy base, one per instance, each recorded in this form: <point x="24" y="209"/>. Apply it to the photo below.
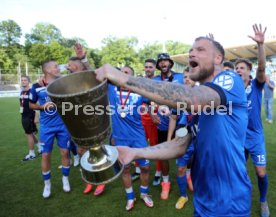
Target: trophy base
<point x="101" y="165"/>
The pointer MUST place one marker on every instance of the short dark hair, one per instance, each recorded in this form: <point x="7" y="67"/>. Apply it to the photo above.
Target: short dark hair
<point x="130" y="68"/>
<point x="228" y="64"/>
<point x="246" y="61"/>
<point x="150" y="61"/>
<point x="187" y="69"/>
<point x="26" y="76"/>
<point x="216" y="44"/>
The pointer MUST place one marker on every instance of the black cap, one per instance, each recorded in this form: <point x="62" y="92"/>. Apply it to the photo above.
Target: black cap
<point x="163" y="56"/>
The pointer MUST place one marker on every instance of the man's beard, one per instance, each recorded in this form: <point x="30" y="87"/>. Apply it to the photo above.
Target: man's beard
<point x="203" y="74"/>
<point x="165" y="70"/>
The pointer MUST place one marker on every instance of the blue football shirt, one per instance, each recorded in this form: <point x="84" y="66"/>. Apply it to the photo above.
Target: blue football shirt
<point x="175" y="78"/>
<point x="47" y="119"/>
<point x="222" y="186"/>
<point x="254" y="134"/>
<point x="130" y="127"/>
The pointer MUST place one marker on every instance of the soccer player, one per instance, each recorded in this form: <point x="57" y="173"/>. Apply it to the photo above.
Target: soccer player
<point x="176" y="122"/>
<point x="221" y="184"/>
<point x="27" y="118"/>
<point x="127" y="130"/>
<point x="150" y="127"/>
<point x="51" y="127"/>
<point x="255" y="144"/>
<point x="164" y="64"/>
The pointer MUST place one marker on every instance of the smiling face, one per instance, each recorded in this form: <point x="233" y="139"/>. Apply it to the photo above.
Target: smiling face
<point x="203" y="57"/>
<point x="164" y="66"/>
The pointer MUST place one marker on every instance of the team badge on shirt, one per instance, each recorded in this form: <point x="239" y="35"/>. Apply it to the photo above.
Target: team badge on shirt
<point x="248" y="89"/>
<point x="225" y="81"/>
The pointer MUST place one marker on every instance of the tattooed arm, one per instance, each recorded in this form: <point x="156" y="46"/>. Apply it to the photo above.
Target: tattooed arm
<point x="163" y="93"/>
<point x="164" y="151"/>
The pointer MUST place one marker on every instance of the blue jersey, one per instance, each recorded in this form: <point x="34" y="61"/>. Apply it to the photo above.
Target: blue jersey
<point x="222" y="186"/>
<point x="47" y="118"/>
<point x="175" y="78"/>
<point x="254" y="134"/>
<point x="129" y="127"/>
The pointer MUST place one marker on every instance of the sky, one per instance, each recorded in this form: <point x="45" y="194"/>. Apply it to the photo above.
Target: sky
<point x="148" y="20"/>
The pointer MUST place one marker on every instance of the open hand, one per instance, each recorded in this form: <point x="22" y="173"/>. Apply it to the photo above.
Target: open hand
<point x="259" y="34"/>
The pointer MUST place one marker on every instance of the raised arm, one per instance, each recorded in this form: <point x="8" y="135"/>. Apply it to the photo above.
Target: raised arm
<point x="163" y="93"/>
<point x="259" y="39"/>
<point x="164" y="151"/>
<point x="81" y="54"/>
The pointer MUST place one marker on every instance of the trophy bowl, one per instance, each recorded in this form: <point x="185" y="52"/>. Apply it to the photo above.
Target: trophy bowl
<point x="82" y="103"/>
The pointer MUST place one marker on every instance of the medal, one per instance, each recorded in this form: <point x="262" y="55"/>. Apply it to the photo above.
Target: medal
<point x="123" y="115"/>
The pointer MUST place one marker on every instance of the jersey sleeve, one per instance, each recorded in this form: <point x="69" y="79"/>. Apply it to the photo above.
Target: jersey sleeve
<point x="230" y="87"/>
<point x="33" y="97"/>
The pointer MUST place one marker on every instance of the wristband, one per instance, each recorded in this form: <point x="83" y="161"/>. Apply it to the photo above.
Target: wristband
<point x="181" y="132"/>
<point x="84" y="60"/>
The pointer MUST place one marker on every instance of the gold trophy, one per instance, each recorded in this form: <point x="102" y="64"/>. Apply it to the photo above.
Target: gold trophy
<point x="82" y="103"/>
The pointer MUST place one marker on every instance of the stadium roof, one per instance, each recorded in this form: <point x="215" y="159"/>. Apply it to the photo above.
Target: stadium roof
<point x="232" y="53"/>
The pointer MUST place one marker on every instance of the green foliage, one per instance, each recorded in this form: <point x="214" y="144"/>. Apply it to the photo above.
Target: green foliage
<point x="59" y="53"/>
<point x="119" y="51"/>
<point x="45" y="42"/>
<point x="175" y="47"/>
<point x="39" y="53"/>
<point x="43" y="33"/>
<point x="95" y="56"/>
<point x="54" y="51"/>
<point x="10" y="33"/>
<point x="5" y="61"/>
<point x="150" y="51"/>
<point x="70" y="42"/>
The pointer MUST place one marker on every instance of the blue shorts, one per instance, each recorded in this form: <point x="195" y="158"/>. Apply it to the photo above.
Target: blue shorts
<point x="142" y="143"/>
<point x="48" y="134"/>
<point x="184" y="160"/>
<point x="256" y="149"/>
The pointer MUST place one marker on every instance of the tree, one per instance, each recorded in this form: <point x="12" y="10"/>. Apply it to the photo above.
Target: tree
<point x="175" y="47"/>
<point x="54" y="51"/>
<point x="150" y="51"/>
<point x="95" y="55"/>
<point x="70" y="42"/>
<point x="59" y="53"/>
<point x="38" y="53"/>
<point x="119" y="51"/>
<point x="5" y="61"/>
<point x="10" y="33"/>
<point x="43" y="33"/>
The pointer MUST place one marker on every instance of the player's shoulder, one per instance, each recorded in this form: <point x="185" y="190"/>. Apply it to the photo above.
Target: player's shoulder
<point x="177" y="73"/>
<point x="228" y="79"/>
<point x="157" y="77"/>
<point x="36" y="85"/>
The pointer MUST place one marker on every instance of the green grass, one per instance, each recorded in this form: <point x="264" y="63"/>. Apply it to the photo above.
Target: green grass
<point x="21" y="183"/>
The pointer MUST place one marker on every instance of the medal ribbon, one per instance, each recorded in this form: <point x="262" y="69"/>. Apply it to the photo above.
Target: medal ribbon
<point x="121" y="99"/>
